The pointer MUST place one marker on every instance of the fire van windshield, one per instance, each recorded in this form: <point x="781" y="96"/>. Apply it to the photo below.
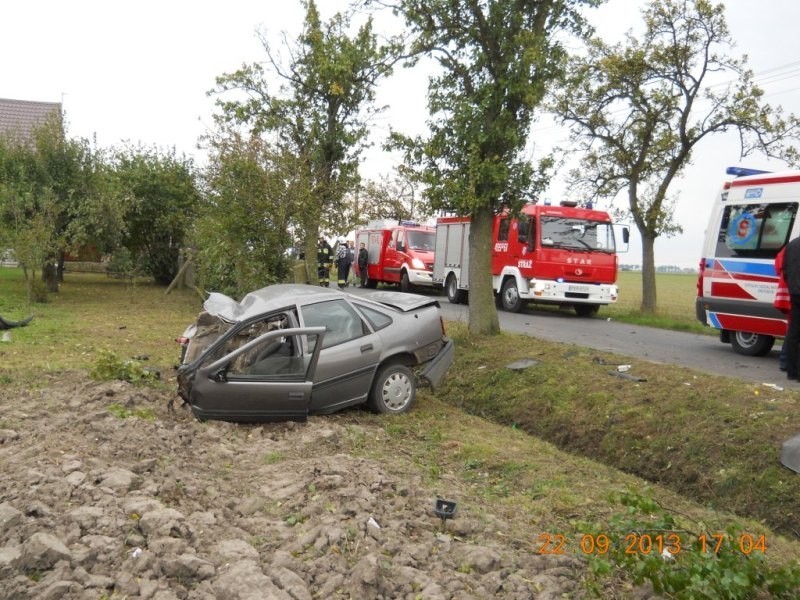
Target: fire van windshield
<point x="577" y="234"/>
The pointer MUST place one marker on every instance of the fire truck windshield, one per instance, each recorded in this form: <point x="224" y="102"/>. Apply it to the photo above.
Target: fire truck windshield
<point x="577" y="234"/>
<point x="424" y="241"/>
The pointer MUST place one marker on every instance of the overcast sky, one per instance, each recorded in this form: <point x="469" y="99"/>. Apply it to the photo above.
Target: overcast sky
<point x="139" y="72"/>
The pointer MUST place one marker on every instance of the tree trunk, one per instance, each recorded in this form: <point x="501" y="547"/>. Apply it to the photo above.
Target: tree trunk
<point x="50" y="275"/>
<point x="483" y="319"/>
<point x="60" y="273"/>
<point x="648" y="275"/>
<point x="310" y="249"/>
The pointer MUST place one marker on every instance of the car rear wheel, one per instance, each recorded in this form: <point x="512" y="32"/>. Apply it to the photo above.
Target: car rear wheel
<point x="393" y="390"/>
<point x="510" y="296"/>
<point x="454" y="295"/>
<point x="751" y="344"/>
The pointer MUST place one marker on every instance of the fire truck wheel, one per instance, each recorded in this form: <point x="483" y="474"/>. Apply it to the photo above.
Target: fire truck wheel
<point x="405" y="284"/>
<point x="454" y="295"/>
<point x="586" y="310"/>
<point x="751" y="344"/>
<point x="393" y="390"/>
<point x="510" y="296"/>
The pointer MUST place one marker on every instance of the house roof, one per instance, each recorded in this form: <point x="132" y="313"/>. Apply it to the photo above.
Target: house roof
<point x="18" y="118"/>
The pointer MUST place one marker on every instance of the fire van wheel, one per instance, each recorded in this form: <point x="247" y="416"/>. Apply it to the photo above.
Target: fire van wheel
<point x="393" y="390"/>
<point x="454" y="295"/>
<point x="510" y="296"/>
<point x="405" y="284"/>
<point x="751" y="344"/>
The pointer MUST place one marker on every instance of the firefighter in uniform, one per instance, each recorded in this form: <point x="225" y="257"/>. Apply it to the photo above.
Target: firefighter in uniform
<point x="324" y="259"/>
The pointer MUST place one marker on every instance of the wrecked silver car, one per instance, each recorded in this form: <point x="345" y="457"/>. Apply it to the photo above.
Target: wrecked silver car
<point x="290" y="350"/>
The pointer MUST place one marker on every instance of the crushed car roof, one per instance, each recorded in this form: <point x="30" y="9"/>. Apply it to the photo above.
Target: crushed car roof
<point x="281" y="295"/>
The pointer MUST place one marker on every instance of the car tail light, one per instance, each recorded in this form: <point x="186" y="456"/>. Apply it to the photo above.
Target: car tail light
<point x="700" y="277"/>
<point x="182" y="340"/>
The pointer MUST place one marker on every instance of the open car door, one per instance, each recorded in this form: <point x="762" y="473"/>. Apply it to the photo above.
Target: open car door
<point x="267" y="379"/>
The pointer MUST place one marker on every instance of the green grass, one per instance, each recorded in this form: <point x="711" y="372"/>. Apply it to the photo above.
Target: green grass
<point x="90" y="315"/>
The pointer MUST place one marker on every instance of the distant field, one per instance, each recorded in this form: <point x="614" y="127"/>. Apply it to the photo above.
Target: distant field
<point x="675" y="293"/>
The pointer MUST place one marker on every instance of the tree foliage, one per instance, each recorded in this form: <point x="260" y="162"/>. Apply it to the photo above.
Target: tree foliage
<point x="158" y="193"/>
<point x="318" y="117"/>
<point x="54" y="199"/>
<point x="638" y="109"/>
<point x="497" y="60"/>
<point x="244" y="224"/>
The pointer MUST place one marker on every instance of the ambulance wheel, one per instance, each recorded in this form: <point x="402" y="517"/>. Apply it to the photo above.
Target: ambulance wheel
<point x="405" y="284"/>
<point x="586" y="310"/>
<point x="751" y="344"/>
<point x="454" y="295"/>
<point x="509" y="296"/>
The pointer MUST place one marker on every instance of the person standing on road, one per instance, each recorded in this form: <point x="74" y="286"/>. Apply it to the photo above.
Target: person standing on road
<point x="783" y="302"/>
<point x="351" y="257"/>
<point x="324" y="260"/>
<point x="363" y="260"/>
<point x="791" y="274"/>
<point x="342" y="264"/>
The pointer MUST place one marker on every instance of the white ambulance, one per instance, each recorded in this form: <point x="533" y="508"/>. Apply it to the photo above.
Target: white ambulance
<point x="753" y="217"/>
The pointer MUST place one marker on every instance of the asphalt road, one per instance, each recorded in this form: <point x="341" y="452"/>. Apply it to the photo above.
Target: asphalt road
<point x="696" y="351"/>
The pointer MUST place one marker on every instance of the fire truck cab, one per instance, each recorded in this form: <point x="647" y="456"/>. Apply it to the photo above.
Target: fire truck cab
<point x="562" y="255"/>
<point x="753" y="217"/>
<point x="400" y="252"/>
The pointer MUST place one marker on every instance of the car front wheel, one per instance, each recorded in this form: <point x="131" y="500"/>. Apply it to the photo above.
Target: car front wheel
<point x="393" y="390"/>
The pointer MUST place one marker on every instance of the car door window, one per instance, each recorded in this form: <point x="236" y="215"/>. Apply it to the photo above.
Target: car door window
<point x="342" y="323"/>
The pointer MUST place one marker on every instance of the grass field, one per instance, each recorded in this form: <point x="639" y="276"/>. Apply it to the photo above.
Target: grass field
<point x="675" y="294"/>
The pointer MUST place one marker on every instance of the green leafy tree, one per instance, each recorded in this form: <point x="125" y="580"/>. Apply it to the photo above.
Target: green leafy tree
<point x="50" y="187"/>
<point x="497" y="59"/>
<point x="244" y="225"/>
<point x="638" y="110"/>
<point x="318" y="116"/>
<point x="159" y="194"/>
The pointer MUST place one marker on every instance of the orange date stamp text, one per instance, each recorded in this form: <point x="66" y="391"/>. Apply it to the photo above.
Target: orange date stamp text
<point x="665" y="543"/>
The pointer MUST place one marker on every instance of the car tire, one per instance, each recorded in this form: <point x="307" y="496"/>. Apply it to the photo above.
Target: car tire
<point x="405" y="284"/>
<point x="454" y="295"/>
<point x="751" y="344"/>
<point x="586" y="310"/>
<point x="509" y="296"/>
<point x="372" y="283"/>
<point x="393" y="390"/>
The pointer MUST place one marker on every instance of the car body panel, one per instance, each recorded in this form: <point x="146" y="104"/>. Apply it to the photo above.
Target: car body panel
<point x="329" y="345"/>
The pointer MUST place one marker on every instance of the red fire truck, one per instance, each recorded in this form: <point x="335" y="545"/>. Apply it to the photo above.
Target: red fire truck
<point x="400" y="252"/>
<point x="551" y="255"/>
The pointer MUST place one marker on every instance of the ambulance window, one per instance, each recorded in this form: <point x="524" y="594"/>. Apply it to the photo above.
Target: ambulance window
<point x="502" y="232"/>
<point x="755" y="230"/>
